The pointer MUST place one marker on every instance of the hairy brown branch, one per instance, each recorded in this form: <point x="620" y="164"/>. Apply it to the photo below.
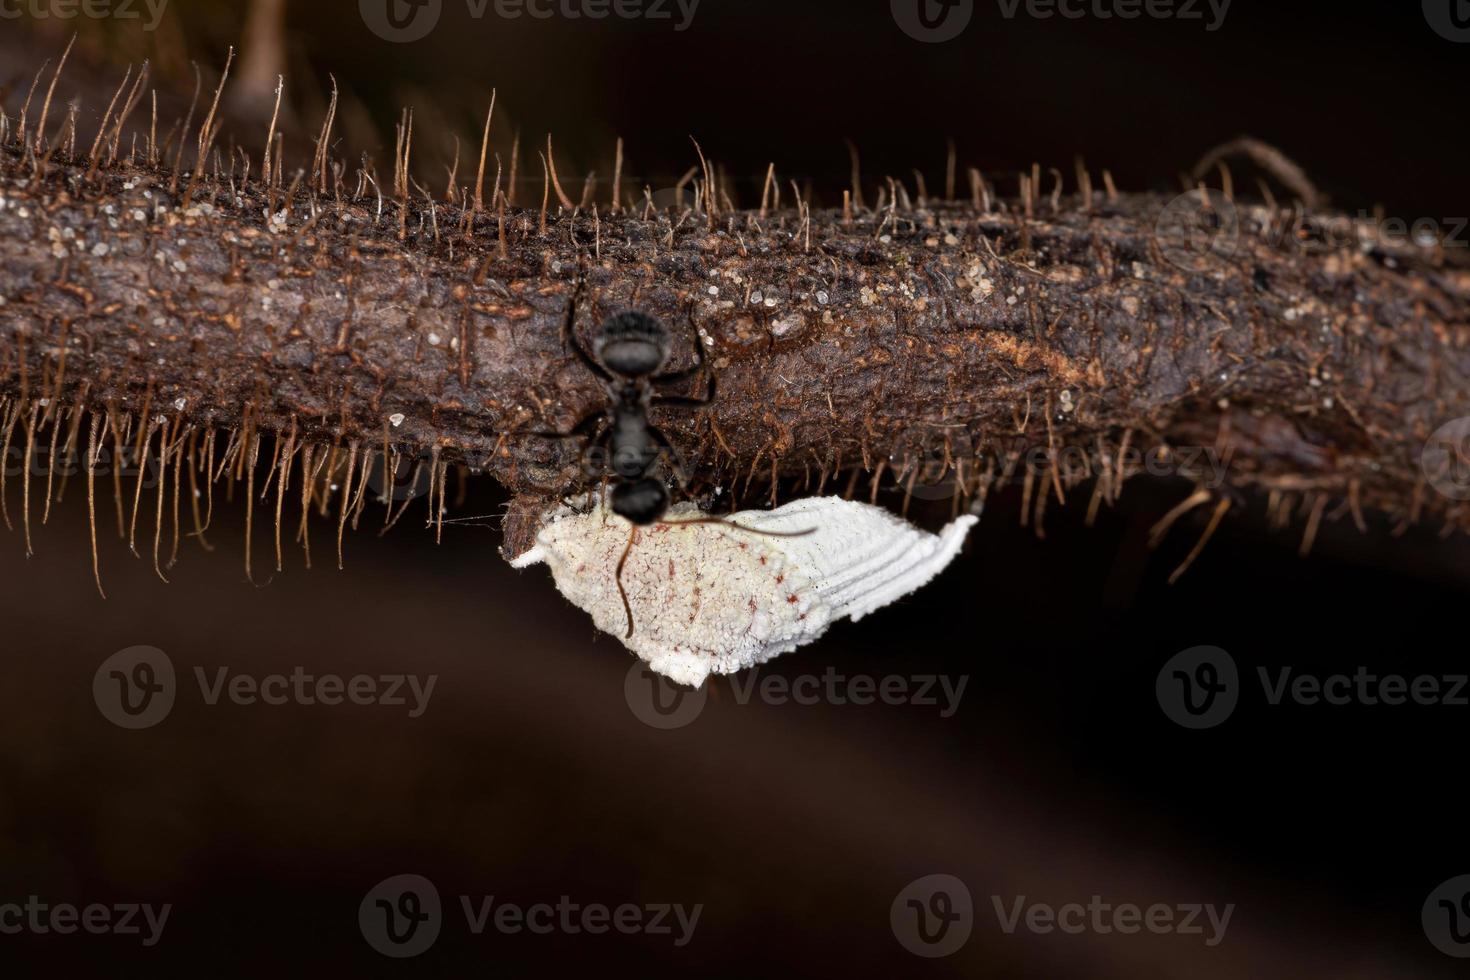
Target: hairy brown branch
<point x="979" y="336"/>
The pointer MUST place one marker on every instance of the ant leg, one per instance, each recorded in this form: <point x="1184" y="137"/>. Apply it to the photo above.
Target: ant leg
<point x="596" y="430"/>
<point x="570" y="339"/>
<point x="585" y="427"/>
<point x="675" y="401"/>
<point x="700" y="364"/>
<point x="622" y="592"/>
<point x="598" y="449"/>
<point x="674" y="462"/>
<point x="674" y="377"/>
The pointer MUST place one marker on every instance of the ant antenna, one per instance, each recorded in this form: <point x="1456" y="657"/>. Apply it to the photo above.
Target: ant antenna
<point x="741" y="527"/>
<point x="622" y="592"/>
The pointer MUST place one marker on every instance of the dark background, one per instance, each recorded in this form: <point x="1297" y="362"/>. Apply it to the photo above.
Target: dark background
<point x="529" y="776"/>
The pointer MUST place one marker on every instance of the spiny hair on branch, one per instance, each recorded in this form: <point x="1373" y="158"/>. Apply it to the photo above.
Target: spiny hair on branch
<point x="162" y="473"/>
<point x="165" y="475"/>
<point x="130" y="138"/>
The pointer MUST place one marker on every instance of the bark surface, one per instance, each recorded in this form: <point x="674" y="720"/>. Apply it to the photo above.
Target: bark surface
<point x="1314" y="355"/>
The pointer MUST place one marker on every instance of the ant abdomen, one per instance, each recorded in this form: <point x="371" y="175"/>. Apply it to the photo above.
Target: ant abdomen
<point x="640" y="502"/>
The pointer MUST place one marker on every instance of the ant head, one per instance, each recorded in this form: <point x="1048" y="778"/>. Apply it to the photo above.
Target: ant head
<point x="641" y="501"/>
<point x="632" y="345"/>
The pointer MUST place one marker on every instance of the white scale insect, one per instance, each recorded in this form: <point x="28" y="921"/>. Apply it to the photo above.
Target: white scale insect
<point x="708" y="598"/>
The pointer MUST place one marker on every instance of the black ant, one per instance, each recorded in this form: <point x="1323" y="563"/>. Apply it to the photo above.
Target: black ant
<point x="629" y="352"/>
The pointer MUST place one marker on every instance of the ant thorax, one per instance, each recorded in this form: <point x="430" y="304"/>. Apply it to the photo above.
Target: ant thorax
<point x="715" y="598"/>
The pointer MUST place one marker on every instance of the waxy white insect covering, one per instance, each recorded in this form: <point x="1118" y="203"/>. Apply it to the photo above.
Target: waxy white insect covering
<point x="713" y="599"/>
